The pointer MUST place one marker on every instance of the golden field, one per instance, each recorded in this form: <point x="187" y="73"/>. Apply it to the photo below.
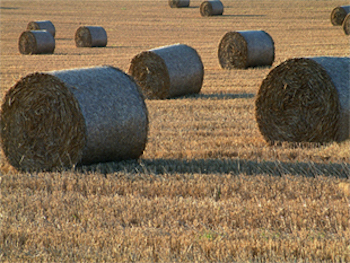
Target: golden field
<point x="208" y="187"/>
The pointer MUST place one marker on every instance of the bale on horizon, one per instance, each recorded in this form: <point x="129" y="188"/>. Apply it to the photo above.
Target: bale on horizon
<point x="305" y="100"/>
<point x="42" y="25"/>
<point x="54" y="120"/>
<point x="243" y="49"/>
<point x="168" y="71"/>
<point x="338" y="14"/>
<point x="90" y="36"/>
<point x="36" y="42"/>
<point x="179" y="3"/>
<point x="211" y="8"/>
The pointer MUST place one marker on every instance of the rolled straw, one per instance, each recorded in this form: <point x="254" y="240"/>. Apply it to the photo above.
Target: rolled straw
<point x="338" y="14"/>
<point x="306" y="100"/>
<point x="243" y="49"/>
<point x="62" y="118"/>
<point x="178" y="3"/>
<point x="346" y="24"/>
<point x="42" y="25"/>
<point x="168" y="71"/>
<point x="36" y="42"/>
<point x="90" y="36"/>
<point x="211" y="8"/>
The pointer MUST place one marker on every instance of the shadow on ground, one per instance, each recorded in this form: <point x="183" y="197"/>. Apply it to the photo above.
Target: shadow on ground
<point x="215" y="166"/>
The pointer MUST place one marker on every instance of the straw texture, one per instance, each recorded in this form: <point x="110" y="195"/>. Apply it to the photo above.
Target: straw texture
<point x="178" y="3"/>
<point x="42" y="25"/>
<point x="36" y="42"/>
<point x="211" y="8"/>
<point x="306" y="100"/>
<point x="346" y="24"/>
<point x="338" y="14"/>
<point x="62" y="118"/>
<point x="168" y="71"/>
<point x="90" y="36"/>
<point x="243" y="49"/>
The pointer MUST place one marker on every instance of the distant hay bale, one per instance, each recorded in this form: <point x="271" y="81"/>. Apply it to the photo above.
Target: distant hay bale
<point x="346" y="24"/>
<point x="42" y="25"/>
<point x="243" y="49"/>
<point x="338" y="14"/>
<point x="36" y="42"/>
<point x="58" y="119"/>
<point x="90" y="36"/>
<point x="178" y="3"/>
<point x="306" y="100"/>
<point x="211" y="8"/>
<point x="168" y="71"/>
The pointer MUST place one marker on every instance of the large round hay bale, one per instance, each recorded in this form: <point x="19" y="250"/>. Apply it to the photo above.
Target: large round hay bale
<point x="168" y="71"/>
<point x="338" y="14"/>
<point x="178" y="3"/>
<point x="211" y="8"/>
<point x="306" y="100"/>
<point x="346" y="24"/>
<point x="42" y="25"/>
<point x="243" y="49"/>
<point x="58" y="119"/>
<point x="90" y="36"/>
<point x="36" y="42"/>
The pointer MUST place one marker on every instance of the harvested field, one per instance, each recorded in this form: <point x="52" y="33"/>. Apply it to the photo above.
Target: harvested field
<point x="208" y="187"/>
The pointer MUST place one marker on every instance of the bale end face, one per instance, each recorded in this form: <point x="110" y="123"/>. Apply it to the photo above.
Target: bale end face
<point x="41" y="125"/>
<point x="151" y="74"/>
<point x="297" y="102"/>
<point x="233" y="51"/>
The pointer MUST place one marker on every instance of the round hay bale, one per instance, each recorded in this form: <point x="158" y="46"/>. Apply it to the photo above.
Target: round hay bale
<point x="58" y="119"/>
<point x="168" y="71"/>
<point x="211" y="8"/>
<point x="36" y="42"/>
<point x="305" y="100"/>
<point x="42" y="25"/>
<point x="178" y="3"/>
<point x="90" y="36"/>
<point x="338" y="14"/>
<point x="346" y="24"/>
<point x="243" y="49"/>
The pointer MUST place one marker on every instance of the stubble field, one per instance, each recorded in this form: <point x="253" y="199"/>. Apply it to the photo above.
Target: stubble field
<point x="208" y="187"/>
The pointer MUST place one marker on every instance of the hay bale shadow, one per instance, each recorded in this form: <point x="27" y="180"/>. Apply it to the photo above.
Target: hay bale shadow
<point x="219" y="166"/>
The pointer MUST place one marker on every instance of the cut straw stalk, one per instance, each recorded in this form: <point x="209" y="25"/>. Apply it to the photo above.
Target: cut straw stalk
<point x="346" y="24"/>
<point x="243" y="49"/>
<point x="168" y="71"/>
<point x="42" y="25"/>
<point x="211" y="8"/>
<point x="338" y="14"/>
<point x="61" y="118"/>
<point x="178" y="3"/>
<point x="306" y="100"/>
<point x="90" y="36"/>
<point x="36" y="42"/>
